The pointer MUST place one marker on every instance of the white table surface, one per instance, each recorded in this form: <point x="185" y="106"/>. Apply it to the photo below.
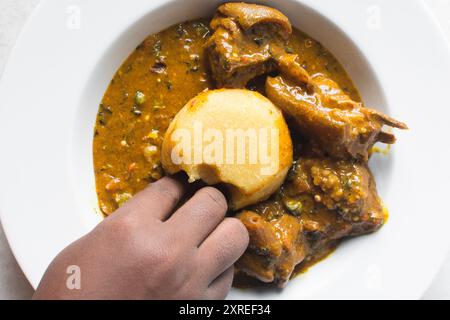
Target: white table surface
<point x="13" y="284"/>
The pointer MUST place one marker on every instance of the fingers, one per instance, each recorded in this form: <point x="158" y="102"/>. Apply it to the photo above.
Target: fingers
<point x="219" y="288"/>
<point x="223" y="247"/>
<point x="158" y="200"/>
<point x="198" y="217"/>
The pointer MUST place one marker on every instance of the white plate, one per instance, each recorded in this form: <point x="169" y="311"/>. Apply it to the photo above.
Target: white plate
<point x="69" y="51"/>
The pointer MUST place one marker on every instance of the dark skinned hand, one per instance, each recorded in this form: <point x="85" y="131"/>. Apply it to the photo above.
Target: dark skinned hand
<point x="149" y="249"/>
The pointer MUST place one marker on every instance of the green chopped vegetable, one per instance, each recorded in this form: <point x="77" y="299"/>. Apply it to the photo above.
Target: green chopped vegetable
<point x="157" y="49"/>
<point x="139" y="98"/>
<point x="154" y="134"/>
<point x="288" y="49"/>
<point x="294" y="206"/>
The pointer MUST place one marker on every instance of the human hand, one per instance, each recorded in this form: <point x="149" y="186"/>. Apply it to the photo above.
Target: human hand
<point x="148" y="249"/>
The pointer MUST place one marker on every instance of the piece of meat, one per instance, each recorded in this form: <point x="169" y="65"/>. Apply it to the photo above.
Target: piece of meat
<point x="325" y="114"/>
<point x="241" y="46"/>
<point x="344" y="188"/>
<point x="289" y="66"/>
<point x="234" y="61"/>
<point x="276" y="247"/>
<point x="321" y="202"/>
<point x="250" y="15"/>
